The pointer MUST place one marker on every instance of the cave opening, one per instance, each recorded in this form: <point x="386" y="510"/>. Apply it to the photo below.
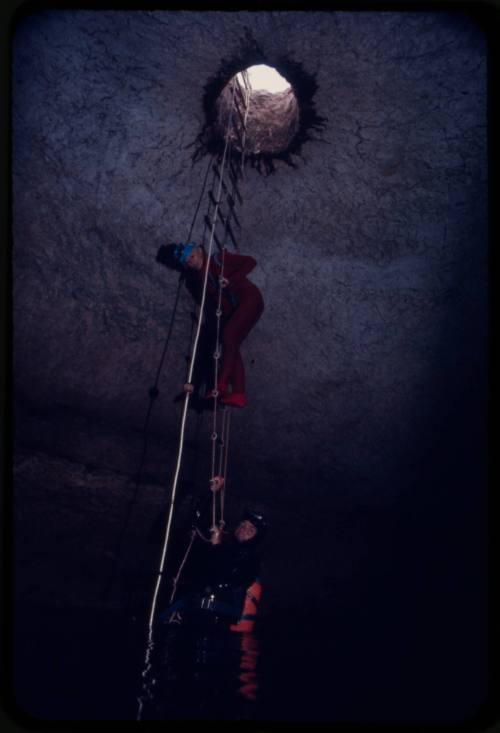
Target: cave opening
<point x="264" y="77"/>
<point x="283" y="118"/>
<point x="273" y="113"/>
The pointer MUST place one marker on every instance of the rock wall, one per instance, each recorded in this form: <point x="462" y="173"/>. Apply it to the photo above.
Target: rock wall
<point x="367" y="374"/>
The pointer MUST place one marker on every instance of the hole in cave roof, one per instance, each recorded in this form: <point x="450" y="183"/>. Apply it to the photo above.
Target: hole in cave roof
<point x="280" y="121"/>
<point x="265" y="78"/>
<point x="273" y="115"/>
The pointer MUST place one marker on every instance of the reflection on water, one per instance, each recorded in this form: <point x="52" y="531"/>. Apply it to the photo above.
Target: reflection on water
<point x="200" y="672"/>
<point x="147" y="676"/>
<point x="75" y="664"/>
<point x="248" y="664"/>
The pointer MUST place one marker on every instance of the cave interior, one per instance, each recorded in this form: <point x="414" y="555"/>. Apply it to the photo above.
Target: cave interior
<point x="364" y="441"/>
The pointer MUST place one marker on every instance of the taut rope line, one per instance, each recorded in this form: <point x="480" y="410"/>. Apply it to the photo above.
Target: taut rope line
<point x="188" y="391"/>
<point x="217" y="527"/>
<point x="153" y="394"/>
<point x="149" y="647"/>
<point x="187" y="394"/>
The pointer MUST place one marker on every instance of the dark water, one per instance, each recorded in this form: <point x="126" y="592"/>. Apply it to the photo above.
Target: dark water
<point x="350" y="665"/>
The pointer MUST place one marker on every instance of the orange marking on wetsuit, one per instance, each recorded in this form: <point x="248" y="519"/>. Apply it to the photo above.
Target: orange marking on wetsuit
<point x="250" y="607"/>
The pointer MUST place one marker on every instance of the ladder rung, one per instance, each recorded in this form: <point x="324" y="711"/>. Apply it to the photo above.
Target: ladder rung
<point x="230" y="202"/>
<point x="233" y="214"/>
<point x="240" y="114"/>
<point x="216" y="170"/>
<point x="240" y="92"/>
<point x="234" y="174"/>
<point x="219" y="245"/>
<point x="231" y="234"/>
<point x="238" y="135"/>
<point x="209" y="224"/>
<point x="236" y="191"/>
<point x="244" y="76"/>
<point x="222" y="217"/>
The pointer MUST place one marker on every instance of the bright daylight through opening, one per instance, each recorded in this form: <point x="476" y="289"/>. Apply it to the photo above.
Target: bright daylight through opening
<point x="273" y="112"/>
<point x="265" y="78"/>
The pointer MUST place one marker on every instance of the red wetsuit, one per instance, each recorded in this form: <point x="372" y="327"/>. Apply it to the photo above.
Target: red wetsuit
<point x="242" y="305"/>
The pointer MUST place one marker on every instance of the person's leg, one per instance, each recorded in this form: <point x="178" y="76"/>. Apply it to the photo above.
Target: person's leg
<point x="237" y="397"/>
<point x="234" y="333"/>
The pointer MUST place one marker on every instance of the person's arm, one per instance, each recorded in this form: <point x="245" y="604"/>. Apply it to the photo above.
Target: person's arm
<point x="194" y="287"/>
<point x="236" y="267"/>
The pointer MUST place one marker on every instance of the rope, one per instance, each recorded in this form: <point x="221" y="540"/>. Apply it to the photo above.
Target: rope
<point x="183" y="562"/>
<point x="153" y="394"/>
<point x="186" y="399"/>
<point x="222" y="439"/>
<point x="217" y="353"/>
<point x="195" y="532"/>
<point x="217" y="527"/>
<point x="149" y="648"/>
<point x="244" y="76"/>
<point x="149" y="643"/>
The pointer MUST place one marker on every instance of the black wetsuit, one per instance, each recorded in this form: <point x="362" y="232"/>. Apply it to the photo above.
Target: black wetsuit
<point x="215" y="579"/>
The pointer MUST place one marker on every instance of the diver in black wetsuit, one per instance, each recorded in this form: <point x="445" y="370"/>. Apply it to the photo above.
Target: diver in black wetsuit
<point x="215" y="577"/>
<point x="202" y="669"/>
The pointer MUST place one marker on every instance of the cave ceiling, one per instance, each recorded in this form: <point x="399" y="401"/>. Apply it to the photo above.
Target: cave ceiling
<point x="370" y="243"/>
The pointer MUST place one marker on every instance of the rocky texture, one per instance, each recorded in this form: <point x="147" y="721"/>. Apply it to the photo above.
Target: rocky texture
<point x="367" y="372"/>
<point x="271" y="138"/>
<point x="68" y="520"/>
<point x="271" y="123"/>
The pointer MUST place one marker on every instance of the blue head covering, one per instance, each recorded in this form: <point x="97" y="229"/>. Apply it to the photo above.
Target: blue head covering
<point x="182" y="252"/>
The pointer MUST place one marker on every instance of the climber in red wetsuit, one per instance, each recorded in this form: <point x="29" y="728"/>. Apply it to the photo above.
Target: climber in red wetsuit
<point x="241" y="305"/>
